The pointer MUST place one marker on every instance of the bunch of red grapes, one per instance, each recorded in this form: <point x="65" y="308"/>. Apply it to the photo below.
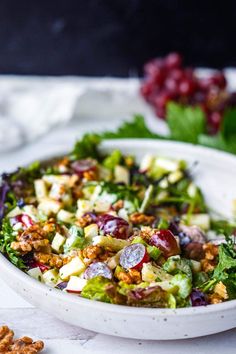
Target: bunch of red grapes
<point x="166" y="79"/>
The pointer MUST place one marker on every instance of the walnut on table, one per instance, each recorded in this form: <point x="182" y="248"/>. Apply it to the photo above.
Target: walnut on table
<point x="24" y="345"/>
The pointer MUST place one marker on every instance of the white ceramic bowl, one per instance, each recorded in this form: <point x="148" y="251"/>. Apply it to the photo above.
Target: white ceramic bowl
<point x="215" y="173"/>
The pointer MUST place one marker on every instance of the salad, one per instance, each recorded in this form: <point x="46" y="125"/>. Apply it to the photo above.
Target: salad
<point x="107" y="228"/>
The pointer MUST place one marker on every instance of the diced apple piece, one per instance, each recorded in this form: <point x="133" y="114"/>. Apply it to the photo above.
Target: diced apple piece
<point x="32" y="212"/>
<point x="121" y="174"/>
<point x="14" y="212"/>
<point x="49" y="206"/>
<point x="36" y="273"/>
<point x="84" y="206"/>
<point x="40" y="189"/>
<point x="61" y="179"/>
<point x="146" y="163"/>
<point x="175" y="176"/>
<point x="107" y="241"/>
<point x="167" y="164"/>
<point x="102" y="206"/>
<point x="76" y="284"/>
<point x="201" y="220"/>
<point x="57" y="242"/>
<point x="74" y="267"/>
<point x="114" y="261"/>
<point x="66" y="216"/>
<point x="50" y="277"/>
<point x="91" y="230"/>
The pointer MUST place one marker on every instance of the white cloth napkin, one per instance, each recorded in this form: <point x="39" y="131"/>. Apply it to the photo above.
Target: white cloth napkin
<point x="32" y="106"/>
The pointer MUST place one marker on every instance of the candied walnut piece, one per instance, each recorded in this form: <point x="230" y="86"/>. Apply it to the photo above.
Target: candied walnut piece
<point x="91" y="252"/>
<point x="24" y="345"/>
<point x="219" y="294"/>
<point x="32" y="238"/>
<point x="141" y="219"/>
<point x="84" y="220"/>
<point x="211" y="251"/>
<point x="133" y="276"/>
<point x="209" y="261"/>
<point x="220" y="289"/>
<point x="146" y="233"/>
<point x="214" y="299"/>
<point x="91" y="175"/>
<point x="53" y="260"/>
<point x="125" y="277"/>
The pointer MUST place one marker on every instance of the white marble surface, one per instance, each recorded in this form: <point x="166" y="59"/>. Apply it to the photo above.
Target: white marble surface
<point x="61" y="338"/>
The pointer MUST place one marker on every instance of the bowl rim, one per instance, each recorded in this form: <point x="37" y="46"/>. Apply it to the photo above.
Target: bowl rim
<point x="7" y="266"/>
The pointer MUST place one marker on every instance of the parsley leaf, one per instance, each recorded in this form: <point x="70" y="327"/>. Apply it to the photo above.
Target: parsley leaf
<point x="7" y="236"/>
<point x="133" y="129"/>
<point x="86" y="147"/>
<point x="185" y="123"/>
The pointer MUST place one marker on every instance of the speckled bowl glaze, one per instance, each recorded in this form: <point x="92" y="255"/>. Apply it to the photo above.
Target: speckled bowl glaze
<point x="215" y="173"/>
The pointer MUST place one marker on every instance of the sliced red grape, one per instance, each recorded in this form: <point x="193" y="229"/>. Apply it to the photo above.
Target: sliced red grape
<point x="98" y="268"/>
<point x="134" y="256"/>
<point x="166" y="242"/>
<point x="85" y="165"/>
<point x="24" y="219"/>
<point x="114" y="226"/>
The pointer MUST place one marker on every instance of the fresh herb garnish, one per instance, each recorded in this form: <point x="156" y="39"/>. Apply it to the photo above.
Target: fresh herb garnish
<point x="7" y="236"/>
<point x="185" y="123"/>
<point x="86" y="147"/>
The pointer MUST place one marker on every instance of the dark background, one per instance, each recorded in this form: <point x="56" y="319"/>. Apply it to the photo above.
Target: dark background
<point x="112" y="37"/>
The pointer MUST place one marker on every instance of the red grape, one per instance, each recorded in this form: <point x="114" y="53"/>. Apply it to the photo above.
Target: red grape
<point x="171" y="86"/>
<point x="173" y="60"/>
<point x="114" y="226"/>
<point x="133" y="256"/>
<point x="186" y="87"/>
<point x="146" y="89"/>
<point x="24" y="219"/>
<point x="162" y="99"/>
<point x="214" y="120"/>
<point x="219" y="80"/>
<point x="98" y="268"/>
<point x="81" y="166"/>
<point x="166" y="242"/>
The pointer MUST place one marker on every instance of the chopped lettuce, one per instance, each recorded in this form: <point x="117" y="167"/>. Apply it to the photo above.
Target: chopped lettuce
<point x="75" y="240"/>
<point x="96" y="289"/>
<point x="176" y="264"/>
<point x="184" y="284"/>
<point x="112" y="160"/>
